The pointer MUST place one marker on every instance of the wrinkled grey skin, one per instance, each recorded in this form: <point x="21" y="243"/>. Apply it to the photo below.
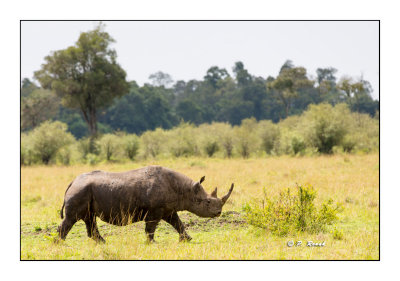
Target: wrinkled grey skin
<point x="151" y="194"/>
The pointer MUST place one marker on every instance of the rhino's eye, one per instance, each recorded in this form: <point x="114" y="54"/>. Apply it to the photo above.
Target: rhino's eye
<point x="208" y="201"/>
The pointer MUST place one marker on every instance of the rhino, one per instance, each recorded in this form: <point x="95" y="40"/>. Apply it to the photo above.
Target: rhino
<point x="147" y="194"/>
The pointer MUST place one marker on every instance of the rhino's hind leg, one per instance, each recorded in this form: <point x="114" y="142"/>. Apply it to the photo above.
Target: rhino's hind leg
<point x="175" y="221"/>
<point x="92" y="230"/>
<point x="150" y="229"/>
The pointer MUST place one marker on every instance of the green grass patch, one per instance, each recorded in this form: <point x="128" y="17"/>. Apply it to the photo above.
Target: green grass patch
<point x="289" y="213"/>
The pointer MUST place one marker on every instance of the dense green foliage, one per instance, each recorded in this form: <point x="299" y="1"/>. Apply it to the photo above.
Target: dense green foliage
<point x="290" y="213"/>
<point x="320" y="129"/>
<point x="219" y="97"/>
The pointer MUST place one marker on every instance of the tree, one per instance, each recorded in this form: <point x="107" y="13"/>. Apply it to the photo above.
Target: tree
<point x="326" y="74"/>
<point x="27" y="87"/>
<point x="179" y="88"/>
<point x="215" y="75"/>
<point x="76" y="125"/>
<point x="190" y="112"/>
<point x="346" y="86"/>
<point x="143" y="108"/>
<point x="235" y="110"/>
<point x="86" y="76"/>
<point x="255" y="92"/>
<point x="160" y="79"/>
<point x="39" y="106"/>
<point x="242" y="75"/>
<point x="327" y="86"/>
<point x="287" y="65"/>
<point x="358" y="94"/>
<point x="326" y="80"/>
<point x="288" y="84"/>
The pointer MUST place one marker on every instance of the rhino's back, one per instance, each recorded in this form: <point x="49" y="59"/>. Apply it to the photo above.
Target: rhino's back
<point x="130" y="192"/>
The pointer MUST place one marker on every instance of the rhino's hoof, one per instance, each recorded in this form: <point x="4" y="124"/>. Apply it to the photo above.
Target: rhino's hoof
<point x="185" y="238"/>
<point x="99" y="240"/>
<point x="57" y="240"/>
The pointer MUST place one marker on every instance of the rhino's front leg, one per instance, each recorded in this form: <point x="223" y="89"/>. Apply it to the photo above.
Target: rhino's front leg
<point x="92" y="230"/>
<point x="175" y="221"/>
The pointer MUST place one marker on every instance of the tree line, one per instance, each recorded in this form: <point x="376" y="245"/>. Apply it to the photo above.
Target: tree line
<point x="84" y="87"/>
<point x="321" y="129"/>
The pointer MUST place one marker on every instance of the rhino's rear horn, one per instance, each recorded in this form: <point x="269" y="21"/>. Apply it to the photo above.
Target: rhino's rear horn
<point x="202" y="179"/>
<point x="225" y="198"/>
<point x="196" y="188"/>
<point x="214" y="193"/>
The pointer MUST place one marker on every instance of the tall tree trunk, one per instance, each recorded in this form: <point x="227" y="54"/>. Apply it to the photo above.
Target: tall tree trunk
<point x="93" y="130"/>
<point x="91" y="120"/>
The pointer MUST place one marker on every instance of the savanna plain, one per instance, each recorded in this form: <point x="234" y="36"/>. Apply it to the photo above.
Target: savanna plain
<point x="351" y="180"/>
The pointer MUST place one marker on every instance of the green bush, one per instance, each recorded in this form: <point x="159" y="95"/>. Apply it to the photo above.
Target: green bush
<point x="225" y="137"/>
<point x="298" y="145"/>
<point x="269" y="134"/>
<point x="27" y="153"/>
<point x="88" y="145"/>
<point x="289" y="129"/>
<point x="131" y="146"/>
<point x="210" y="137"/>
<point x="109" y="145"/>
<point x="324" y="126"/>
<point x="64" y="155"/>
<point x="364" y="133"/>
<point x="153" y="142"/>
<point x="92" y="159"/>
<point x="246" y="138"/>
<point x="48" y="138"/>
<point x="349" y="143"/>
<point x="211" y="147"/>
<point x="182" y="140"/>
<point x="288" y="213"/>
<point x="337" y="234"/>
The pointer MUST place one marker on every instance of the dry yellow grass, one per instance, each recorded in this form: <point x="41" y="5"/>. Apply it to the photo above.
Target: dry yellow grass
<point x="349" y="179"/>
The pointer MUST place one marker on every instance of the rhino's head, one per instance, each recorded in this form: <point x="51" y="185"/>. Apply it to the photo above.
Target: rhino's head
<point x="207" y="205"/>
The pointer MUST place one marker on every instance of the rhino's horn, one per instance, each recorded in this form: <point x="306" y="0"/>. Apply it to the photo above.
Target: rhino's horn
<point x="225" y="198"/>
<point x="214" y="193"/>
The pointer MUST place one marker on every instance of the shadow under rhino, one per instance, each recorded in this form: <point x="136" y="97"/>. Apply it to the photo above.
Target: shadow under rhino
<point x="148" y="194"/>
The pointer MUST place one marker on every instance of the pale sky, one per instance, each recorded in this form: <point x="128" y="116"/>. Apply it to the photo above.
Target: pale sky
<point x="186" y="50"/>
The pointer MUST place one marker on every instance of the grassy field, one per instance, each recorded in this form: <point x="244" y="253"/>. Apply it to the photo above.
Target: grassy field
<point x="352" y="180"/>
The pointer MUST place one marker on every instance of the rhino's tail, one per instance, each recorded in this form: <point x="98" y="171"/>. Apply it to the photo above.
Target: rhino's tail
<point x="62" y="208"/>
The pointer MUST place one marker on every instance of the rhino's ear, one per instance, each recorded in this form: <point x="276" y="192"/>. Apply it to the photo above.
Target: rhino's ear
<point x="202" y="179"/>
<point x="196" y="188"/>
